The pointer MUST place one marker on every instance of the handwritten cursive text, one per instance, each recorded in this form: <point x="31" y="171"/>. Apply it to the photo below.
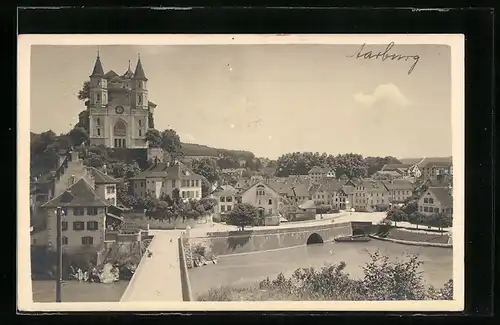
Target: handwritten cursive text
<point x="385" y="55"/>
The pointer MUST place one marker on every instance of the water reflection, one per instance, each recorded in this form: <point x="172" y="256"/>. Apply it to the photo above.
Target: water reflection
<point x="437" y="268"/>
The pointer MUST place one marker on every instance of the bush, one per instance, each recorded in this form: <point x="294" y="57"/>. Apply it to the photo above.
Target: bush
<point x="383" y="280"/>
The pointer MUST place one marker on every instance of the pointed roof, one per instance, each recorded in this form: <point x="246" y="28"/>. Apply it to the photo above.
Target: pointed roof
<point x="98" y="70"/>
<point x="442" y="195"/>
<point x="80" y="194"/>
<point x="139" y="72"/>
<point x="129" y="74"/>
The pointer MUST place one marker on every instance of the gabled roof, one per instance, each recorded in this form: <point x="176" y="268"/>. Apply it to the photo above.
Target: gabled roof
<point x="317" y="169"/>
<point x="260" y="184"/>
<point x="398" y="184"/>
<point x="373" y="185"/>
<point x="101" y="178"/>
<point x="301" y="189"/>
<point x="442" y="195"/>
<point x="80" y="194"/>
<point x="111" y="74"/>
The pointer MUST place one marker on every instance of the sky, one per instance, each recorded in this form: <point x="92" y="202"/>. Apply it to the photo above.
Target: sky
<point x="268" y="99"/>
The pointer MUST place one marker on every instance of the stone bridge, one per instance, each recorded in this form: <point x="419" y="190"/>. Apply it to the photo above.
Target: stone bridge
<point x="291" y="235"/>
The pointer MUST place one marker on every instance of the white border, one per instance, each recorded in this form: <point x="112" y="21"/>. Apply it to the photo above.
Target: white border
<point x="455" y="41"/>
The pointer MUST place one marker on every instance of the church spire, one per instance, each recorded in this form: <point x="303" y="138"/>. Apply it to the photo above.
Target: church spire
<point x="139" y="72"/>
<point x="128" y="74"/>
<point x="98" y="70"/>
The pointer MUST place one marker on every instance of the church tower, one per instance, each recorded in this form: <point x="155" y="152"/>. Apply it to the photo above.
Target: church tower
<point x="98" y="100"/>
<point x="119" y="107"/>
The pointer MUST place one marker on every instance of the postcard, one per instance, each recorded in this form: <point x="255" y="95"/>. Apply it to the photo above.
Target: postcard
<point x="241" y="172"/>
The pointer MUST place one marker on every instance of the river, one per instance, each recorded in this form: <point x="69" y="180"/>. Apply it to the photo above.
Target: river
<point x="75" y="291"/>
<point x="250" y="268"/>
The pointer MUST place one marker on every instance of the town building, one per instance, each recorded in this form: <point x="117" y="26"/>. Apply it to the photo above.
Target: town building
<point x="84" y="218"/>
<point x="118" y="107"/>
<point x="162" y="178"/>
<point x="436" y="200"/>
<point x="400" y="190"/>
<point x="267" y="201"/>
<point x="227" y="197"/>
<point x="318" y="173"/>
<point x="371" y="195"/>
<point x="105" y="185"/>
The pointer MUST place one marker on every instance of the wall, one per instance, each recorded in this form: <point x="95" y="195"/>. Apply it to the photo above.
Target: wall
<point x="174" y="224"/>
<point x="185" y="283"/>
<point x="251" y="197"/>
<point x="235" y="242"/>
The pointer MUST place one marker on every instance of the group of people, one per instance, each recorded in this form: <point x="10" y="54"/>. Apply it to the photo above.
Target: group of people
<point x="109" y="273"/>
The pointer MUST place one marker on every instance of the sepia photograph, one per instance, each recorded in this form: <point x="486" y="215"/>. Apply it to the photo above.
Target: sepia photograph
<point x="189" y="172"/>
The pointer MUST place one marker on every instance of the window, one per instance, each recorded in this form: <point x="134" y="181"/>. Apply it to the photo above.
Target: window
<point x="98" y="132"/>
<point x="173" y="183"/>
<point x="270" y="201"/>
<point x="142" y="184"/>
<point x="110" y="189"/>
<point x="426" y="200"/>
<point x="98" y="98"/>
<point x="64" y="240"/>
<point x="436" y="210"/>
<point x="92" y="211"/>
<point x="197" y="184"/>
<point x="139" y="99"/>
<point x="223" y="199"/>
<point x="98" y="122"/>
<point x="78" y="211"/>
<point x="92" y="225"/>
<point x="192" y="183"/>
<point x="140" y="123"/>
<point x="64" y="211"/>
<point x="87" y="240"/>
<point x="228" y="208"/>
<point x="183" y="194"/>
<point x="140" y="132"/>
<point x="229" y="199"/>
<point x="78" y="226"/>
<point x="222" y="208"/>
<point x="64" y="225"/>
<point x="431" y="200"/>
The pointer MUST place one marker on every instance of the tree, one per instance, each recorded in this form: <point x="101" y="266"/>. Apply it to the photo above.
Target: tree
<point x="83" y="120"/>
<point x="416" y="218"/>
<point x="171" y="142"/>
<point x="176" y="198"/>
<point x="154" y="138"/>
<point x="242" y="215"/>
<point x="208" y="203"/>
<point x="396" y="215"/>
<point x="84" y="93"/>
<point x="410" y="207"/>
<point x="78" y="135"/>
<point x="206" y="167"/>
<point x="151" y="121"/>
<point x="374" y="164"/>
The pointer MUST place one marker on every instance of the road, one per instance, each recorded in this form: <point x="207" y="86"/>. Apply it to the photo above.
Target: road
<point x="158" y="277"/>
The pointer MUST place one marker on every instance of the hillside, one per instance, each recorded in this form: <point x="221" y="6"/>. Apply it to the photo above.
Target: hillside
<point x="191" y="149"/>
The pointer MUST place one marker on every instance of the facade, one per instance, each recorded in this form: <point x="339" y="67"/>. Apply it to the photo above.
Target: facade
<point x="226" y="197"/>
<point x="433" y="169"/>
<point x="436" y="200"/>
<point x="319" y="173"/>
<point x="370" y="194"/>
<point x="118" y="107"/>
<point x="162" y="178"/>
<point x="264" y="198"/>
<point x="105" y="185"/>
<point x="399" y="190"/>
<point x="84" y="218"/>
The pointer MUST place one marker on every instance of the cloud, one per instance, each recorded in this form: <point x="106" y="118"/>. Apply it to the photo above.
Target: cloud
<point x="387" y="93"/>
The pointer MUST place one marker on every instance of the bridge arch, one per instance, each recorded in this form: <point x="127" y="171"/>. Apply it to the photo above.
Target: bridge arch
<point x="314" y="238"/>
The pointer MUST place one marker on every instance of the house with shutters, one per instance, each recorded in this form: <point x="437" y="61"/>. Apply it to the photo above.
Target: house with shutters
<point x="266" y="199"/>
<point x="83" y="221"/>
<point x="436" y="200"/>
<point x="227" y="197"/>
<point x="370" y="195"/>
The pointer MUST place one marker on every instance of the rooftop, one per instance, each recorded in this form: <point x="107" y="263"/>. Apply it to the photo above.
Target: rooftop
<point x="79" y="194"/>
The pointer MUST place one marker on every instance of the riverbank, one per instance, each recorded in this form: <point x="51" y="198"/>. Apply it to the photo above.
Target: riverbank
<point x="383" y="278"/>
<point x="415" y="237"/>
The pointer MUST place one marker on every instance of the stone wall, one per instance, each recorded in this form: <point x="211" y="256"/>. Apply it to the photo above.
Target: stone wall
<point x="237" y="242"/>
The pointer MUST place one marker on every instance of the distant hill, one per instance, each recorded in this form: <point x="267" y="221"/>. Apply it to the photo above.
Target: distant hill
<point x="413" y="161"/>
<point x="191" y="149"/>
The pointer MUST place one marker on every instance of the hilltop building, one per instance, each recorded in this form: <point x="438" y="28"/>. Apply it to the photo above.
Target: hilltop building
<point x="118" y="107"/>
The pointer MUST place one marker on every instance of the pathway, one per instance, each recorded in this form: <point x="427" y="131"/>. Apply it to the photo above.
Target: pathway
<point x="157" y="278"/>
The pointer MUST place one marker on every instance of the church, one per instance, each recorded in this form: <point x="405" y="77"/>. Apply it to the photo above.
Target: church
<point x="119" y="109"/>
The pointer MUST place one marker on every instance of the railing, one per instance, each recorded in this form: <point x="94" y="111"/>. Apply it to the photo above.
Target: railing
<point x="185" y="284"/>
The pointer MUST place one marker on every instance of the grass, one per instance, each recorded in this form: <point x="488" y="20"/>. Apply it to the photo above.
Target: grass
<point x="246" y="293"/>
